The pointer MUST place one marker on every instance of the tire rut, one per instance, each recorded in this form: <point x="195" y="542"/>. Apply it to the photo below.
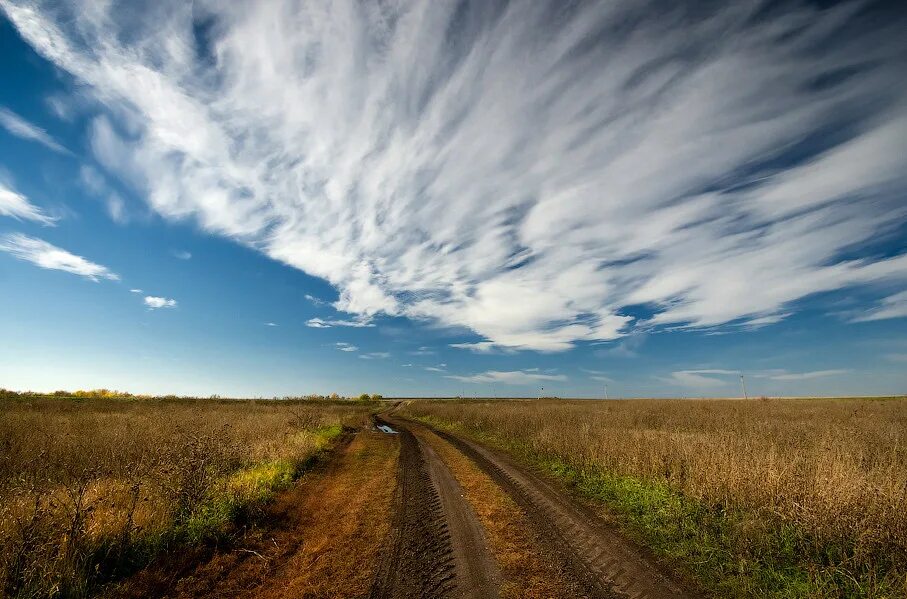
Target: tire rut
<point x="604" y="563"/>
<point x="418" y="559"/>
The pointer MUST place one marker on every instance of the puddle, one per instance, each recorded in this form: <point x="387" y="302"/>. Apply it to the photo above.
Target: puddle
<point x="386" y="429"/>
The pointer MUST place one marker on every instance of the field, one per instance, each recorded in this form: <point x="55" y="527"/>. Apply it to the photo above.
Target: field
<point x="750" y="498"/>
<point x="93" y="489"/>
<point x="190" y="498"/>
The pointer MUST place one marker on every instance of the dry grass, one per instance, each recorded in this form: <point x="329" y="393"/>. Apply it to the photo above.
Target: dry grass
<point x="90" y="489"/>
<point x="833" y="471"/>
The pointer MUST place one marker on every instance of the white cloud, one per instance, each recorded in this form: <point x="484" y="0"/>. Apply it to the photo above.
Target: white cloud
<point x="21" y="128"/>
<point x="702" y="378"/>
<point x="17" y="206"/>
<point x="893" y="306"/>
<point x="482" y="347"/>
<point x="514" y="377"/>
<point x="45" y="255"/>
<point x="155" y="303"/>
<point x="376" y="355"/>
<point x="439" y="368"/>
<point x="95" y="183"/>
<point x="182" y="254"/>
<point x="270" y="324"/>
<point x="531" y="176"/>
<point x="135" y="291"/>
<point x="321" y="323"/>
<point x="805" y="376"/>
<point x="315" y="300"/>
<point x="343" y="346"/>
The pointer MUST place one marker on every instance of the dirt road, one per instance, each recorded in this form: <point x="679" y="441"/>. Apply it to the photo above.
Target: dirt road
<point x="595" y="560"/>
<point x="418" y="512"/>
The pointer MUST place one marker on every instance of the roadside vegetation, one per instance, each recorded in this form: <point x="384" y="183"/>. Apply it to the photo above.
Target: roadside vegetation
<point x="92" y="489"/>
<point x="762" y="498"/>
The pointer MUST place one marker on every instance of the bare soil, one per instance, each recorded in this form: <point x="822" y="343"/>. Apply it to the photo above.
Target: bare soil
<point x="437" y="547"/>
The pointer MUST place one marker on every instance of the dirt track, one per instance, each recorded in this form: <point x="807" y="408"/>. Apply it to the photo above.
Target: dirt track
<point x="602" y="563"/>
<point x="387" y="518"/>
<point x="436" y="546"/>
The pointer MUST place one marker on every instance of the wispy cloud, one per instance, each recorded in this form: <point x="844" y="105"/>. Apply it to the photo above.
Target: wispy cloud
<point x="156" y="303"/>
<point x="375" y="355"/>
<point x="513" y="377"/>
<point x="95" y="183"/>
<point x="135" y="291"/>
<point x="270" y="324"/>
<point x="316" y="301"/>
<point x="347" y="347"/>
<point x="181" y="254"/>
<point x="23" y="129"/>
<point x="482" y="347"/>
<point x="806" y="376"/>
<point x="17" y="206"/>
<point x="438" y="368"/>
<point x="533" y="177"/>
<point x="893" y="306"/>
<point x="702" y="378"/>
<point x="322" y="323"/>
<point x="46" y="255"/>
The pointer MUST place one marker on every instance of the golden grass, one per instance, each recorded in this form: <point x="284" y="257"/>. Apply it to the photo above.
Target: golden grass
<point x="834" y="469"/>
<point x="90" y="489"/>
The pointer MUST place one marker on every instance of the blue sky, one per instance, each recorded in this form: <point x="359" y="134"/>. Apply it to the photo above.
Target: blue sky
<point x="259" y="199"/>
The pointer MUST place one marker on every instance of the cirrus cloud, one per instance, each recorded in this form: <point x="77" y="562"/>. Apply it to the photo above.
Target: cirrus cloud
<point x="46" y="255"/>
<point x="538" y="171"/>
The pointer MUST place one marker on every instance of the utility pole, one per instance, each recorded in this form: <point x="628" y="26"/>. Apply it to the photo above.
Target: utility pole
<point x="540" y="392"/>
<point x="606" y="391"/>
<point x="743" y="385"/>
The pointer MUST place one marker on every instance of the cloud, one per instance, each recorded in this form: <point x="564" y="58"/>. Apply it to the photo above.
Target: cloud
<point x="627" y="348"/>
<point x="439" y="368"/>
<point x="45" y="255"/>
<point x="482" y="347"/>
<point x="539" y="171"/>
<point x="423" y="351"/>
<point x="181" y="255"/>
<point x="805" y="376"/>
<point x="135" y="291"/>
<point x="376" y="355"/>
<point x="21" y="128"/>
<point x="315" y="300"/>
<point x="270" y="324"/>
<point x="702" y="378"/>
<point x="597" y="375"/>
<point x="343" y="346"/>
<point x="514" y="377"/>
<point x="893" y="306"/>
<point x="321" y="323"/>
<point x="155" y="303"/>
<point x="17" y="206"/>
<point x="95" y="183"/>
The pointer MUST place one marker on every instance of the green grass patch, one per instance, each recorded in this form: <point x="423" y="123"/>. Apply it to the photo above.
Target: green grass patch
<point x="731" y="553"/>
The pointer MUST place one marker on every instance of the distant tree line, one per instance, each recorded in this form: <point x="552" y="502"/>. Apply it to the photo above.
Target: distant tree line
<point x="112" y="394"/>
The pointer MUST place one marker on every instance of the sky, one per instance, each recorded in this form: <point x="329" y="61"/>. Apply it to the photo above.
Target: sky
<point x="631" y="199"/>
